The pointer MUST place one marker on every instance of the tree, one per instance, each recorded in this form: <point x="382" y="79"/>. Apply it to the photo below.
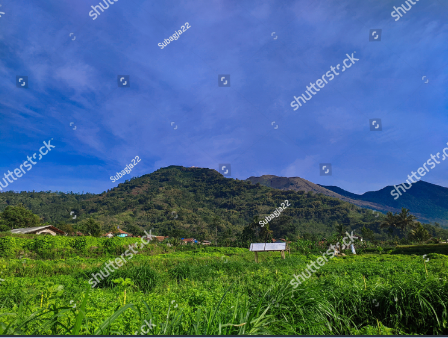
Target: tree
<point x="16" y="217"/>
<point x="93" y="228"/>
<point x="367" y="233"/>
<point x="340" y="228"/>
<point x="251" y="231"/>
<point x="389" y="222"/>
<point x="114" y="230"/>
<point x="419" y="233"/>
<point x="255" y="232"/>
<point x="402" y="221"/>
<point x="67" y="228"/>
<point x="135" y="230"/>
<point x="405" y="220"/>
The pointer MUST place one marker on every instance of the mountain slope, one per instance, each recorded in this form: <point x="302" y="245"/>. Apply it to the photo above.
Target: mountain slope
<point x="428" y="200"/>
<point x="195" y="202"/>
<point x="300" y="184"/>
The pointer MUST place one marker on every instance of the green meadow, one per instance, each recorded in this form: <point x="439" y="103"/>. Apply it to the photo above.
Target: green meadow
<point x="188" y="290"/>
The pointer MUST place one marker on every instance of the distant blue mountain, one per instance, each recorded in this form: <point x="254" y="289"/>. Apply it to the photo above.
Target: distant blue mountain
<point x="428" y="201"/>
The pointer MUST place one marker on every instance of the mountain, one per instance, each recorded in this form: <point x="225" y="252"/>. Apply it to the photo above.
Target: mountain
<point x="428" y="202"/>
<point x="196" y="202"/>
<point x="201" y="203"/>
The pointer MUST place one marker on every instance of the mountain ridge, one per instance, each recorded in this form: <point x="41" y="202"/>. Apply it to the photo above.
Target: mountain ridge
<point x="432" y="209"/>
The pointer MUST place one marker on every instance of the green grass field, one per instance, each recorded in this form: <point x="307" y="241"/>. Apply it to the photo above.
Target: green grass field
<point x="223" y="291"/>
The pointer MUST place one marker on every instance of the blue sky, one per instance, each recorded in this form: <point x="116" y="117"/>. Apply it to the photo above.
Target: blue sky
<point x="76" y="81"/>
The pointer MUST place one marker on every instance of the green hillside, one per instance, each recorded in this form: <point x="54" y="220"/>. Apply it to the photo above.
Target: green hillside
<point x="197" y="202"/>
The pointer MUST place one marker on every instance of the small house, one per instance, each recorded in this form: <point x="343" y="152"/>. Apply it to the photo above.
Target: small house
<point x="189" y="240"/>
<point x="42" y="230"/>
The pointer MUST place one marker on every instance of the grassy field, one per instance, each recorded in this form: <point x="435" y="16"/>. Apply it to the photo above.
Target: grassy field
<point x="223" y="291"/>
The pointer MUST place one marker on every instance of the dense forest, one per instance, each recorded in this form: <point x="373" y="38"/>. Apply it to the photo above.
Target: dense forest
<point x="201" y="203"/>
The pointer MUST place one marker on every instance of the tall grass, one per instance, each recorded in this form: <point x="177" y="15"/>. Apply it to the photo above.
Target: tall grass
<point x="201" y="293"/>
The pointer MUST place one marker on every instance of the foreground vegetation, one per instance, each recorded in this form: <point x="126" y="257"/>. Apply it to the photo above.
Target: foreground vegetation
<point x="222" y="291"/>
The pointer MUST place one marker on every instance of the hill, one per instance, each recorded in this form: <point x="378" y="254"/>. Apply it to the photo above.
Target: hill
<point x="197" y="202"/>
<point x="300" y="184"/>
<point x="428" y="202"/>
<point x="200" y="203"/>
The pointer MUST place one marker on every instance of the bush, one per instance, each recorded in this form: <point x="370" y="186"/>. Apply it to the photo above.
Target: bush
<point x="113" y="246"/>
<point x="8" y="246"/>
<point x="79" y="243"/>
<point x="180" y="272"/>
<point x="42" y="243"/>
<point x="143" y="277"/>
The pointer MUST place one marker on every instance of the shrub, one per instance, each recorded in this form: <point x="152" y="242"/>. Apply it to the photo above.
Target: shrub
<point x="180" y="272"/>
<point x="42" y="243"/>
<point x="143" y="277"/>
<point x="113" y="245"/>
<point x="8" y="246"/>
<point x="79" y="243"/>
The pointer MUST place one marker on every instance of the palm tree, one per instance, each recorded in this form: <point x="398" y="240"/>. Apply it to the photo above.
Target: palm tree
<point x="405" y="220"/>
<point x="340" y="228"/>
<point x="389" y="222"/>
<point x="419" y="233"/>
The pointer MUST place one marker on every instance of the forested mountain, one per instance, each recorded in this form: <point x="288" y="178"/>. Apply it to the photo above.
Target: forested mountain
<point x="199" y="202"/>
<point x="429" y="202"/>
<point x="300" y="184"/>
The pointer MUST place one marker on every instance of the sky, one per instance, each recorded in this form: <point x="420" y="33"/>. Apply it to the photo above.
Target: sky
<point x="175" y="113"/>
